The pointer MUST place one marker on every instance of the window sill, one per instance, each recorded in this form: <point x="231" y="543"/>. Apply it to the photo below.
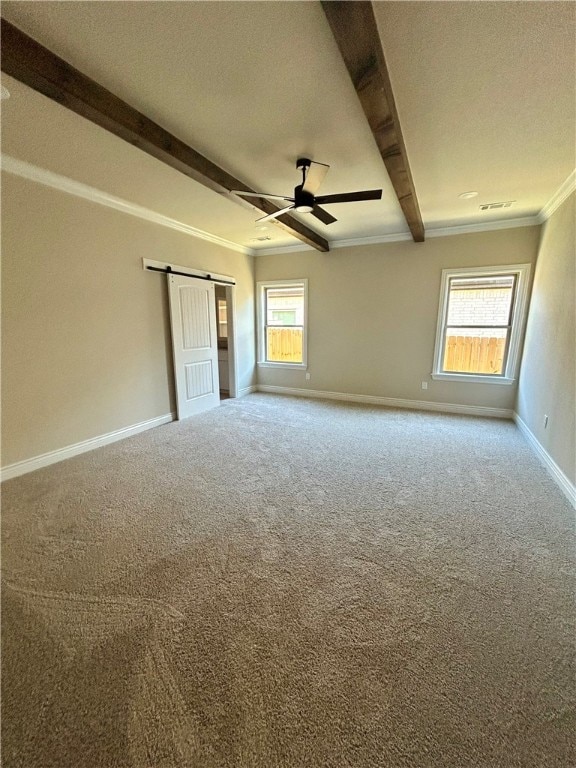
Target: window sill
<point x="472" y="378"/>
<point x="301" y="366"/>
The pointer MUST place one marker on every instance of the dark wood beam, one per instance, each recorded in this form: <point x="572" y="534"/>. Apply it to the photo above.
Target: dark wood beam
<point x="356" y="33"/>
<point x="26" y="60"/>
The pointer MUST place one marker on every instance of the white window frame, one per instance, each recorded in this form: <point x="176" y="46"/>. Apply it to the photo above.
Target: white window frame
<point x="518" y="320"/>
<point x="261" y="317"/>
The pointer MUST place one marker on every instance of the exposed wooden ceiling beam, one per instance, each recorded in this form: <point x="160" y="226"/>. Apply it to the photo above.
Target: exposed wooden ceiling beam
<point x="26" y="60"/>
<point x="356" y="33"/>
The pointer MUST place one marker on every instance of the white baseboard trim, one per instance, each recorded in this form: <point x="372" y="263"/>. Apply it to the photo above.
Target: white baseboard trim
<point x="247" y="390"/>
<point x="393" y="402"/>
<point x="52" y="457"/>
<point x="566" y="486"/>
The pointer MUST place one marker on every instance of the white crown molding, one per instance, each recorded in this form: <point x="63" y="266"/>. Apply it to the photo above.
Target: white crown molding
<point x="566" y="486"/>
<point x="371" y="240"/>
<point x="484" y="226"/>
<point x="284" y="249"/>
<point x="45" y="459"/>
<point x="398" y="237"/>
<point x="392" y="402"/>
<point x="563" y="191"/>
<point x="78" y="189"/>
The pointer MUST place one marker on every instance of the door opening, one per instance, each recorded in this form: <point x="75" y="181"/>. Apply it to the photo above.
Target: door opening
<point x="202" y="323"/>
<point x="222" y="335"/>
<point x="224" y="296"/>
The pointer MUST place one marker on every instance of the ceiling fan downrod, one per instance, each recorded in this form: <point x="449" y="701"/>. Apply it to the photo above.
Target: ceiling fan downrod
<point x="303" y="200"/>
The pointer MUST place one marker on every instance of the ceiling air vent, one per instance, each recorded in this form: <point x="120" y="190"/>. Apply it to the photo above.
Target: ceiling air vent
<point x="492" y="206"/>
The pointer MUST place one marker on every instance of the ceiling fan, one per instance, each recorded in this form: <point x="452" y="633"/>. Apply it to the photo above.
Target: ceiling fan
<point x="305" y="199"/>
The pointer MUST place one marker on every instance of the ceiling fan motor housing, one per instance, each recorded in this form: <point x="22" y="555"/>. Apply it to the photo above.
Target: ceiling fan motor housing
<point x="303" y="201"/>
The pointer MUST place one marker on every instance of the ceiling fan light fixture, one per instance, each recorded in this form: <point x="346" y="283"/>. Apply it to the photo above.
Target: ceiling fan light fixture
<point x="305" y="199"/>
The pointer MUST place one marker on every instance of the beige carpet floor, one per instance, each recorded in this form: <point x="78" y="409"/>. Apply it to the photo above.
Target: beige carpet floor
<point x="283" y="583"/>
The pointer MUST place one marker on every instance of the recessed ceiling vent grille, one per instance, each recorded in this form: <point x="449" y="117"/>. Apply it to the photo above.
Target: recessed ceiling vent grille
<point x="492" y="206"/>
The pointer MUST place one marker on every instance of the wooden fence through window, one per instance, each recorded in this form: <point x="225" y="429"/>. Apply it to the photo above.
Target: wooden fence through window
<point x="474" y="354"/>
<point x="466" y="354"/>
<point x="284" y="345"/>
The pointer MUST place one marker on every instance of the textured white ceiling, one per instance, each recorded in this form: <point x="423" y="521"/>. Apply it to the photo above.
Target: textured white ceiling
<point x="485" y="93"/>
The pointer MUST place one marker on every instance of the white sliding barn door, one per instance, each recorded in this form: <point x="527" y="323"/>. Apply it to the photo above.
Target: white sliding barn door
<point x="195" y="344"/>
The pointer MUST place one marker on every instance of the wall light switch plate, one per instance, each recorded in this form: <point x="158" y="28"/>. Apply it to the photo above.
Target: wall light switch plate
<point x="424" y="385"/>
<point x="307" y="376"/>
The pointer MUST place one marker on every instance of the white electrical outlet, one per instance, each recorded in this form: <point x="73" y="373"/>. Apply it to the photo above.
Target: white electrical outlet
<point x="424" y="385"/>
<point x="307" y="376"/>
<point x="545" y="421"/>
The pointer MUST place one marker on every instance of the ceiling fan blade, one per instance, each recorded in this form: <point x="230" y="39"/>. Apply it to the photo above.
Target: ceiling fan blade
<point x="315" y="177"/>
<point x="259" y="194"/>
<point x="324" y="216"/>
<point x="276" y="213"/>
<point x="351" y="197"/>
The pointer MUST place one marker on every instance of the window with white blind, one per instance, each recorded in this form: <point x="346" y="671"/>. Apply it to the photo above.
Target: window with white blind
<point x="282" y="323"/>
<point x="480" y="323"/>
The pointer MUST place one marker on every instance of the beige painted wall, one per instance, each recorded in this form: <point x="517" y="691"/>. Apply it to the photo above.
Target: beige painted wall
<point x="373" y="312"/>
<point x="548" y="376"/>
<point x="85" y="333"/>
